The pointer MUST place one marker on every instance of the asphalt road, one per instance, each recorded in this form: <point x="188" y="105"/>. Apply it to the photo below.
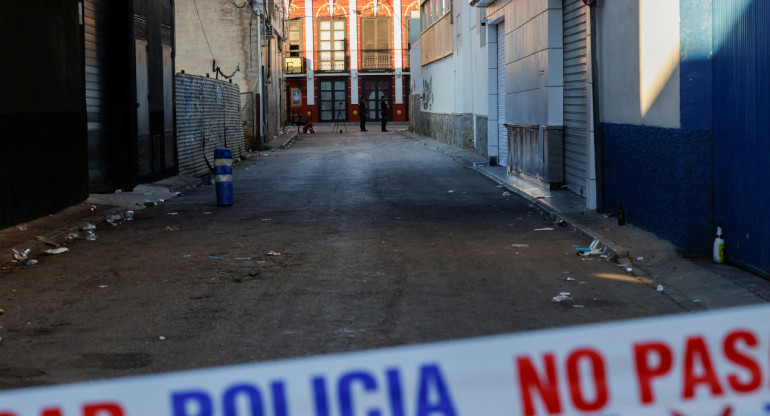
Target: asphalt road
<point x="382" y="242"/>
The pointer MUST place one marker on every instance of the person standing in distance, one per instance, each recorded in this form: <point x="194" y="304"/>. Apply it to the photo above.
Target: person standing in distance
<point x="384" y="107"/>
<point x="362" y="112"/>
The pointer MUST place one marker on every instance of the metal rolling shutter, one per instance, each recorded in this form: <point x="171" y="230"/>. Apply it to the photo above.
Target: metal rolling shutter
<point x="502" y="131"/>
<point x="98" y="74"/>
<point x="575" y="99"/>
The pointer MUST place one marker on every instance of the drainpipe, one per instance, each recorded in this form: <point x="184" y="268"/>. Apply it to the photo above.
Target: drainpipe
<point x="257" y="7"/>
<point x="598" y="134"/>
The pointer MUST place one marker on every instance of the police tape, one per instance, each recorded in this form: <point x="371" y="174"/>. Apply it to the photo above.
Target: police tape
<point x="711" y="363"/>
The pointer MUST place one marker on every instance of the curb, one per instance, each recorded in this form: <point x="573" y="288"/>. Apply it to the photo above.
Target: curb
<point x="290" y="140"/>
<point x="585" y="234"/>
<point x="59" y="235"/>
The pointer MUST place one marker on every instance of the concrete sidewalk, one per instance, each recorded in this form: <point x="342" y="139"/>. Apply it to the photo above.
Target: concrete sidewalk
<point x="696" y="284"/>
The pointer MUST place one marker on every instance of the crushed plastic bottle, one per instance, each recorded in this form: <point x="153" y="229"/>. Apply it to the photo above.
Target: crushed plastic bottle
<point x="32" y="262"/>
<point x="90" y="236"/>
<point x="129" y="215"/>
<point x="59" y="250"/>
<point x="22" y="227"/>
<point x="114" y="218"/>
<point x="20" y="255"/>
<point x="87" y="227"/>
<point x="562" y="296"/>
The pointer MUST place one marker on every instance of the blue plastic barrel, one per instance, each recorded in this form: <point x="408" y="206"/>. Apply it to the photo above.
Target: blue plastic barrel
<point x="223" y="176"/>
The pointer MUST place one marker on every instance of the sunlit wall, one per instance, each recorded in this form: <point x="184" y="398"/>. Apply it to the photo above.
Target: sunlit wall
<point x="655" y="109"/>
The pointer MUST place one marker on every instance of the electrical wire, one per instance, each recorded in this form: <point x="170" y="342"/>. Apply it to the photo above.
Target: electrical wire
<point x="204" y="30"/>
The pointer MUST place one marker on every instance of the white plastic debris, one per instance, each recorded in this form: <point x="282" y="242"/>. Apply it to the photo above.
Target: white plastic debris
<point x="640" y="259"/>
<point x="519" y="245"/>
<point x="451" y="191"/>
<point x="660" y="288"/>
<point x="562" y="297"/>
<point x="20" y="255"/>
<point x="273" y="253"/>
<point x="90" y="236"/>
<point x="32" y="262"/>
<point x="161" y="338"/>
<point x="506" y="193"/>
<point x="544" y="229"/>
<point x="59" y="250"/>
<point x="88" y="226"/>
<point x="22" y="227"/>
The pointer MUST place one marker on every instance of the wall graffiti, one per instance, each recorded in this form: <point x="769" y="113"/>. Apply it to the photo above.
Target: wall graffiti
<point x="427" y="94"/>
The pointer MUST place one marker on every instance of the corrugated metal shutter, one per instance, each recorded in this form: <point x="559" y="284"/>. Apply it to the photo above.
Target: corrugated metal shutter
<point x="742" y="130"/>
<point x="97" y="68"/>
<point x="208" y="115"/>
<point x="575" y="99"/>
<point x="502" y="131"/>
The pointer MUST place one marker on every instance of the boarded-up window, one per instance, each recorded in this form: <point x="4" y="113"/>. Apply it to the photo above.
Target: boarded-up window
<point x="375" y="43"/>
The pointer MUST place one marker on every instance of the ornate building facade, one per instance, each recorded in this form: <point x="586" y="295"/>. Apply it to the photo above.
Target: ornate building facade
<point x="339" y="52"/>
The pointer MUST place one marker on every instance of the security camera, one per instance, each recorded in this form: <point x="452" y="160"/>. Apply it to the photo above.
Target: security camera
<point x="484" y="21"/>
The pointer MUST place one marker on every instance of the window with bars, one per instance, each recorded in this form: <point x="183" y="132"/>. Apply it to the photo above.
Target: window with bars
<point x="375" y="43"/>
<point x="331" y="44"/>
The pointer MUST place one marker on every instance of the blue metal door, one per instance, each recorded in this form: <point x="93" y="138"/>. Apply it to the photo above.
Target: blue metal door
<point x="742" y="129"/>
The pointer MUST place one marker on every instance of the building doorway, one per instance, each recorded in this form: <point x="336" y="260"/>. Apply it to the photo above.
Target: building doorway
<point x="372" y="90"/>
<point x="333" y="103"/>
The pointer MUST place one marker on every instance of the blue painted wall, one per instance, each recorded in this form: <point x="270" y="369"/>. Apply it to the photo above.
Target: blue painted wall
<point x="664" y="178"/>
<point x="742" y="130"/>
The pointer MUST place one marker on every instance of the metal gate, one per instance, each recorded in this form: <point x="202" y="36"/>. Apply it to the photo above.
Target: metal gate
<point x="502" y="131"/>
<point x="575" y="96"/>
<point x="742" y="130"/>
